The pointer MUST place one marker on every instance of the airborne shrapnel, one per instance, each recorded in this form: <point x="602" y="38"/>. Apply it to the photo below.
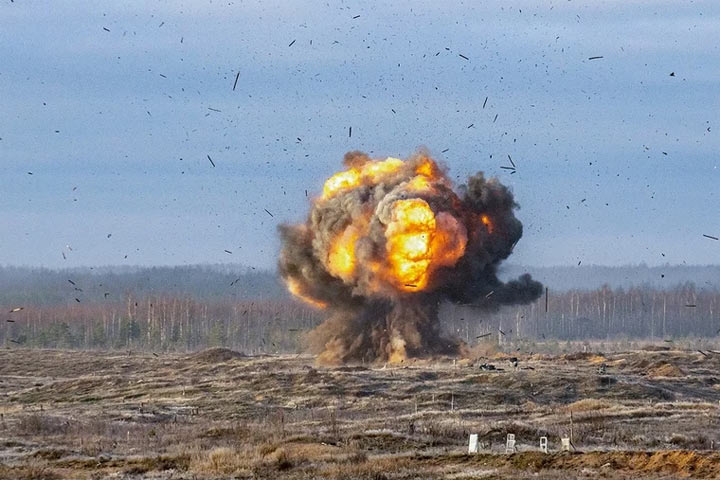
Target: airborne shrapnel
<point x="387" y="242"/>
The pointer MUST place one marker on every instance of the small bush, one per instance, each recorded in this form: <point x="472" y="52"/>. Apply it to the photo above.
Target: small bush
<point x="27" y="473"/>
<point x="50" y="454"/>
<point x="37" y="424"/>
<point x="222" y="460"/>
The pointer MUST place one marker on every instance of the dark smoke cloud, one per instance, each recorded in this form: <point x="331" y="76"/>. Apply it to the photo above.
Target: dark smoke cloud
<point x="370" y="316"/>
<point x="475" y="276"/>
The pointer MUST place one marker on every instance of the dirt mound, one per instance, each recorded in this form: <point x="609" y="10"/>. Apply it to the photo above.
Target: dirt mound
<point x="674" y="462"/>
<point x="589" y="356"/>
<point x="639" y="364"/>
<point x="656" y="348"/>
<point x="216" y="355"/>
<point x="665" y="370"/>
<point x="677" y="463"/>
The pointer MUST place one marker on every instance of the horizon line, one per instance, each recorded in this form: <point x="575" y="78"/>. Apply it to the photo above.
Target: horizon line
<point x="272" y="270"/>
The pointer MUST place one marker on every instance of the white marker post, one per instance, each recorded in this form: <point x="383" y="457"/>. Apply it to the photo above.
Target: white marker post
<point x="473" y="445"/>
<point x="510" y="443"/>
<point x="565" y="444"/>
<point x="543" y="444"/>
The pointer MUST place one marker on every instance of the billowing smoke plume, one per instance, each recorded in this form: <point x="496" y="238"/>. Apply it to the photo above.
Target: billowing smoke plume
<point x="386" y="243"/>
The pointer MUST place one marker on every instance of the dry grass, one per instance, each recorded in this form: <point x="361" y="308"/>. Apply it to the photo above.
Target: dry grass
<point x="218" y="415"/>
<point x="36" y="424"/>
<point x="589" y="405"/>
<point x="28" y="472"/>
<point x="665" y="370"/>
<point x="221" y="460"/>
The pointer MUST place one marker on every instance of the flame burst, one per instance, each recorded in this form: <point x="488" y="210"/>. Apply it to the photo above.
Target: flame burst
<point x="417" y="243"/>
<point x="371" y="173"/>
<point x="341" y="259"/>
<point x="295" y="287"/>
<point x="387" y="240"/>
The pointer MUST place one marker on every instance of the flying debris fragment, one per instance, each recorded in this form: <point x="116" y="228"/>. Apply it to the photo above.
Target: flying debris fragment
<point x="236" y="80"/>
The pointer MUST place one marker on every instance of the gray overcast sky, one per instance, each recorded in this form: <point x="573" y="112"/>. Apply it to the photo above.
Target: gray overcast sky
<point x="114" y="107"/>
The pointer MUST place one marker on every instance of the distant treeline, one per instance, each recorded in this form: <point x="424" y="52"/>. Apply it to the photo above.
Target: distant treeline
<point x="189" y="308"/>
<point x="604" y="313"/>
<point x="41" y="286"/>
<point x="163" y="323"/>
<point x="590" y="277"/>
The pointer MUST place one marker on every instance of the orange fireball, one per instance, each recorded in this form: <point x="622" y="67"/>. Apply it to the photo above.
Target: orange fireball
<point x="371" y="173"/>
<point x="417" y="243"/>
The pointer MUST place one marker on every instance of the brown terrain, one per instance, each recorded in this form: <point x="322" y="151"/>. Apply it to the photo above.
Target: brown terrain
<point x="218" y="414"/>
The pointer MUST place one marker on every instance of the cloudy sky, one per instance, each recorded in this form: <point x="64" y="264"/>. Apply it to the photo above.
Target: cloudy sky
<point x="109" y="111"/>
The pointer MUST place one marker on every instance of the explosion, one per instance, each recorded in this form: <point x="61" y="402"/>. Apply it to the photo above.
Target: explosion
<point x="386" y="243"/>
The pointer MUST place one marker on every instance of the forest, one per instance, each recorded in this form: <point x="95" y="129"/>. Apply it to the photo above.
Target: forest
<point x="188" y="308"/>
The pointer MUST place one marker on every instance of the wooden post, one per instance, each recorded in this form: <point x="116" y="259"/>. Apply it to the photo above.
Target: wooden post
<point x="664" y="316"/>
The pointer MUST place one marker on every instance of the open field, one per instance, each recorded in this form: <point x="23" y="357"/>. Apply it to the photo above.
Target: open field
<point x="218" y="414"/>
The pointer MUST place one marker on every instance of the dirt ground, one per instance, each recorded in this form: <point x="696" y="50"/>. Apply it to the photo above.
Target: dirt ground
<point x="219" y="414"/>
